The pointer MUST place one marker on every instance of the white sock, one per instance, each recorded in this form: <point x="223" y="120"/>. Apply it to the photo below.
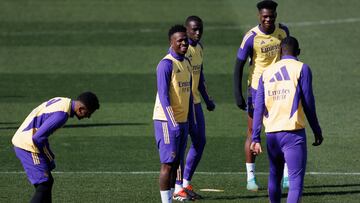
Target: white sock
<point x="166" y="196"/>
<point x="178" y="188"/>
<point x="286" y="170"/>
<point x="250" y="169"/>
<point x="172" y="191"/>
<point x="186" y="182"/>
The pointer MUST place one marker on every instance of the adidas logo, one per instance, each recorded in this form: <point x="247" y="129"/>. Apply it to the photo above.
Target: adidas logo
<point x="178" y="71"/>
<point x="262" y="42"/>
<point x="280" y="75"/>
<point x="190" y="57"/>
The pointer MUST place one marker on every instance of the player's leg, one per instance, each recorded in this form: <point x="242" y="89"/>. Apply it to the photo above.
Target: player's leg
<point x="38" y="172"/>
<point x="249" y="157"/>
<point x="43" y="191"/>
<point x="198" y="140"/>
<point x="179" y="193"/>
<point x="295" y="153"/>
<point x="276" y="164"/>
<point x="196" y="150"/>
<point x="167" y="144"/>
<point x="165" y="182"/>
<point x="180" y="170"/>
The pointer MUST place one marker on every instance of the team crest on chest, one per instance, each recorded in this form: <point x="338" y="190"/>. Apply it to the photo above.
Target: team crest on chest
<point x="189" y="57"/>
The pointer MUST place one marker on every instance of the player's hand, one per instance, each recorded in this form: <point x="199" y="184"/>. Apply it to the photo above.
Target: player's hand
<point x="255" y="148"/>
<point x="210" y="106"/>
<point x="174" y="130"/>
<point x="318" y="140"/>
<point x="240" y="102"/>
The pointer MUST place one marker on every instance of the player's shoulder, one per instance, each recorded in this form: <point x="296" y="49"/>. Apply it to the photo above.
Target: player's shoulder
<point x="270" y="68"/>
<point x="304" y="66"/>
<point x="57" y="101"/>
<point x="200" y="45"/>
<point x="305" y="70"/>
<point x="250" y="35"/>
<point x="284" y="28"/>
<point x="57" y="104"/>
<point x="165" y="64"/>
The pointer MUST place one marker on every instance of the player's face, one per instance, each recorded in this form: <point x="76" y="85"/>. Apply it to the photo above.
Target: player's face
<point x="179" y="43"/>
<point x="194" y="30"/>
<point x="83" y="112"/>
<point x="267" y="19"/>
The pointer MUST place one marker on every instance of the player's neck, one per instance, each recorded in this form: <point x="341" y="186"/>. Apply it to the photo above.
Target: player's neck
<point x="267" y="30"/>
<point x="193" y="42"/>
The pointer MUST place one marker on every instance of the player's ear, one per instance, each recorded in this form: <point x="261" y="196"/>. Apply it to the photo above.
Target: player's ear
<point x="82" y="110"/>
<point x="298" y="52"/>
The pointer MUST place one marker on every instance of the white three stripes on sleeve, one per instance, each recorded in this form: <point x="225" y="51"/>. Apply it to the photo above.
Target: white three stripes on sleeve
<point x="171" y="115"/>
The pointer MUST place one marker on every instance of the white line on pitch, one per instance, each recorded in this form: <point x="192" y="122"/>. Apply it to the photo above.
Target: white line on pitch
<point x="201" y="173"/>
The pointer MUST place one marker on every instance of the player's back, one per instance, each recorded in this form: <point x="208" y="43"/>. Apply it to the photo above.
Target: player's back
<point x="23" y="136"/>
<point x="282" y="96"/>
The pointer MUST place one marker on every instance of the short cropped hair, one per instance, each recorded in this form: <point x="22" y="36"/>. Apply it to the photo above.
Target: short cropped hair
<point x="175" y="29"/>
<point x="290" y="44"/>
<point x="269" y="4"/>
<point x="90" y="100"/>
<point x="193" y="18"/>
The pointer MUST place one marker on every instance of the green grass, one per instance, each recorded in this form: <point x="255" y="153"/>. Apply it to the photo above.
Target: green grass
<point x="112" y="47"/>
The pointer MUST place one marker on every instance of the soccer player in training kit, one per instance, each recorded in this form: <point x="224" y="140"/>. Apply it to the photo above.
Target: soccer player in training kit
<point x="262" y="45"/>
<point x="183" y="188"/>
<point x="172" y="106"/>
<point x="31" y="143"/>
<point x="283" y="95"/>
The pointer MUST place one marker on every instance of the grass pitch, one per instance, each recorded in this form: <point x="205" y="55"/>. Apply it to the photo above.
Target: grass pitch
<point x="112" y="48"/>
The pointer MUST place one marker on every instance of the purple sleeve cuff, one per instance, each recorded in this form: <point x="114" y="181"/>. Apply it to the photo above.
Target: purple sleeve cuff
<point x="163" y="77"/>
<point x="308" y="100"/>
<point x="53" y="122"/>
<point x="246" y="50"/>
<point x="258" y="112"/>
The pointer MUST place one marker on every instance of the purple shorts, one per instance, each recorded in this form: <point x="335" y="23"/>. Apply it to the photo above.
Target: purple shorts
<point x="251" y="101"/>
<point x="171" y="146"/>
<point x="36" y="165"/>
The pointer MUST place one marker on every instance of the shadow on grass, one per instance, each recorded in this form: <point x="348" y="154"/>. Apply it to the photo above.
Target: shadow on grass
<point x="332" y="186"/>
<point x="8" y="123"/>
<point x="103" y="125"/>
<point x="81" y="125"/>
<point x="284" y="195"/>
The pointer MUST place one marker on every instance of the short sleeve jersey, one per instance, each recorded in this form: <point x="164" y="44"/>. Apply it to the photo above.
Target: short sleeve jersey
<point x="263" y="50"/>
